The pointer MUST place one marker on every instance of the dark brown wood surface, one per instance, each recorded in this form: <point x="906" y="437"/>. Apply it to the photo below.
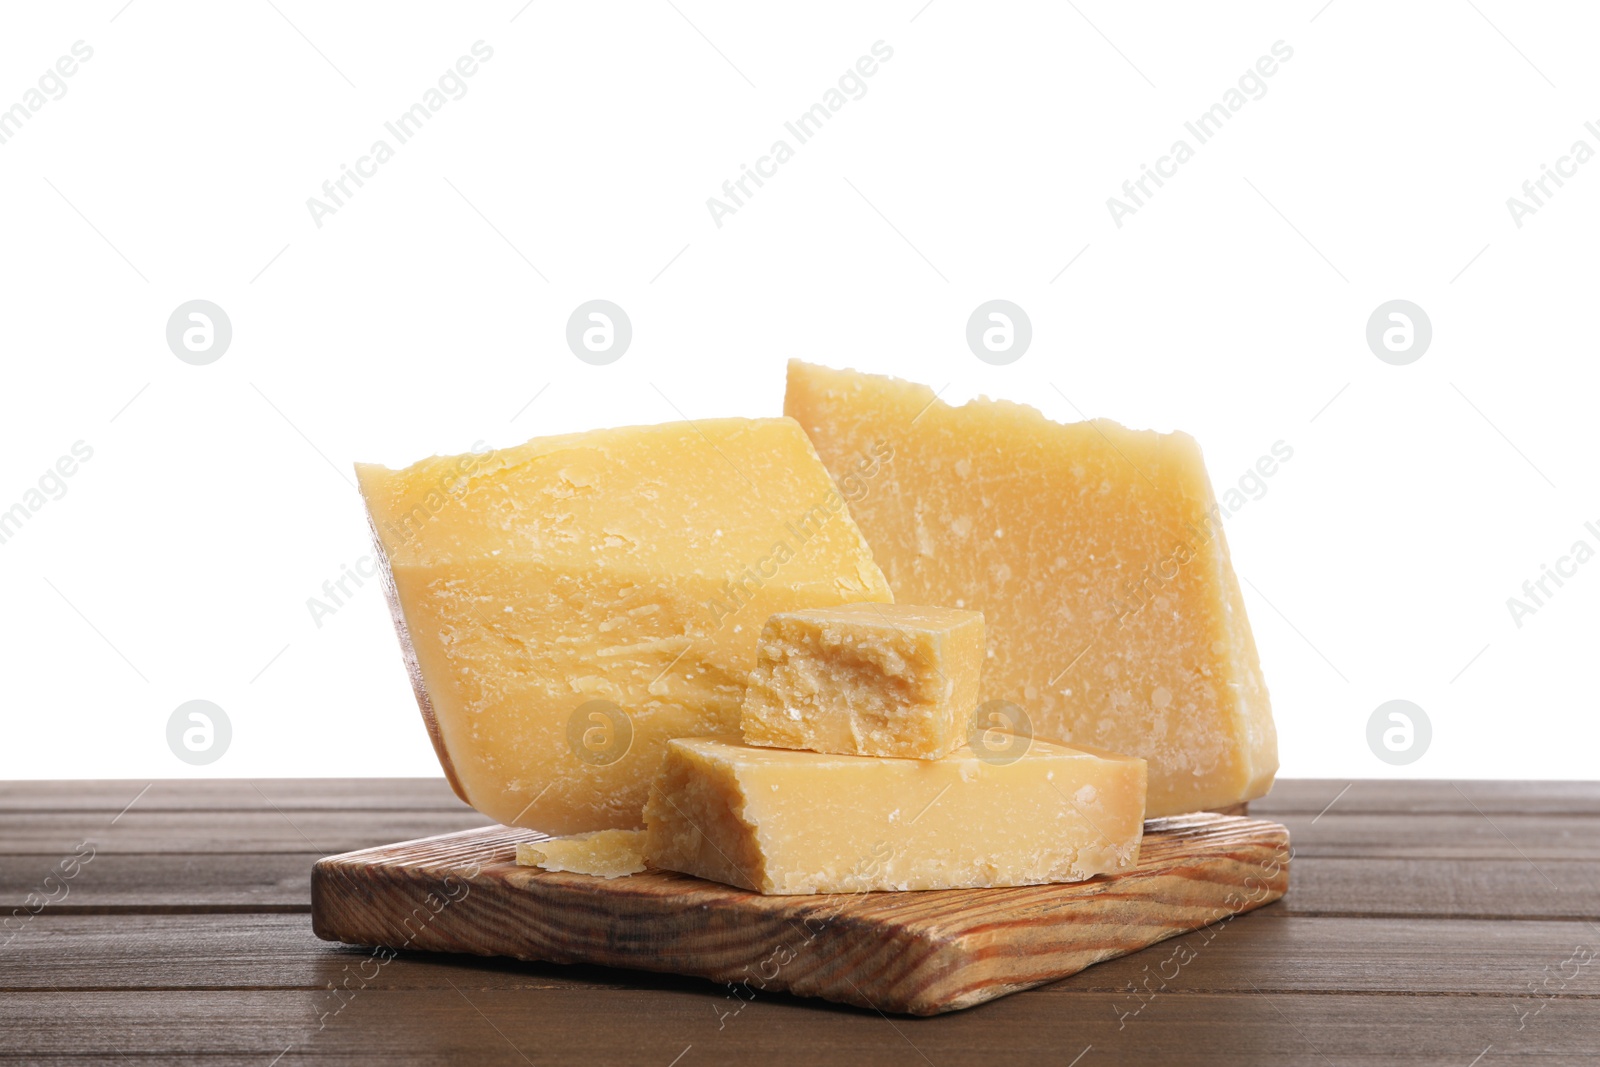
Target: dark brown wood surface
<point x="1426" y="923"/>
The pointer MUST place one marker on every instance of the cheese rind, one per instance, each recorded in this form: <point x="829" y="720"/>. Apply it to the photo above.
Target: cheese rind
<point x="1097" y="556"/>
<point x="781" y="821"/>
<point x="568" y="605"/>
<point x="866" y="679"/>
<point x="602" y="853"/>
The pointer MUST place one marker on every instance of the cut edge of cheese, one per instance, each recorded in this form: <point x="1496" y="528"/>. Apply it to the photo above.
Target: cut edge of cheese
<point x="895" y="680"/>
<point x="408" y="655"/>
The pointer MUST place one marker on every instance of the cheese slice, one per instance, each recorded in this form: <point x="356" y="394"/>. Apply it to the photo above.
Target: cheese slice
<point x="567" y="605"/>
<point x="1097" y="556"/>
<point x="866" y="679"/>
<point x="781" y="821"/>
<point x="602" y="853"/>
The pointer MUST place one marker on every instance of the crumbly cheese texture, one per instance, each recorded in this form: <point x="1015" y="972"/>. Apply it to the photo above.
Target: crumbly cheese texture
<point x="1097" y="556"/>
<point x="568" y="605"/>
<point x="866" y="679"/>
<point x="602" y="853"/>
<point x="781" y="821"/>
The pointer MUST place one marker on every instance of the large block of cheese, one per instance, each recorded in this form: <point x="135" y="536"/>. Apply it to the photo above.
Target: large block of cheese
<point x="567" y="605"/>
<point x="1097" y="557"/>
<point x="781" y="821"/>
<point x="866" y="680"/>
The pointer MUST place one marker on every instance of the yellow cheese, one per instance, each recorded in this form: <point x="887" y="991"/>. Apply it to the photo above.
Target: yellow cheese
<point x="602" y="853"/>
<point x="866" y="679"/>
<point x="780" y="821"/>
<point x="567" y="605"/>
<point x="1097" y="557"/>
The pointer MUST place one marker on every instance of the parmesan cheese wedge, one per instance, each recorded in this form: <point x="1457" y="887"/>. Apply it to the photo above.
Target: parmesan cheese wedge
<point x="567" y="606"/>
<point x="1097" y="557"/>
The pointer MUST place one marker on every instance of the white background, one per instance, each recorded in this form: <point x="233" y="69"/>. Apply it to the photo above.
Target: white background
<point x="430" y="309"/>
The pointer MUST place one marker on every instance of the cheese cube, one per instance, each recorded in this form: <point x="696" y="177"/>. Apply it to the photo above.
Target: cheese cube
<point x="602" y="853"/>
<point x="780" y="821"/>
<point x="866" y="679"/>
<point x="1097" y="556"/>
<point x="568" y="605"/>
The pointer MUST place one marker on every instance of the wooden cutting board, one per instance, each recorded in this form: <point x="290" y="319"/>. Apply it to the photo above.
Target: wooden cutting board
<point x="918" y="953"/>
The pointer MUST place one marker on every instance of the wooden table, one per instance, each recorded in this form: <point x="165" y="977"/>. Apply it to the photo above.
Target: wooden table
<point x="1426" y="922"/>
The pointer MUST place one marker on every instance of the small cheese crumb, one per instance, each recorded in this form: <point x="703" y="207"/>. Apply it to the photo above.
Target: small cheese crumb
<point x="602" y="854"/>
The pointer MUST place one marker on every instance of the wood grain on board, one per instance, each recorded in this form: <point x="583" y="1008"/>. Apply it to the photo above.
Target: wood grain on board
<point x="915" y="953"/>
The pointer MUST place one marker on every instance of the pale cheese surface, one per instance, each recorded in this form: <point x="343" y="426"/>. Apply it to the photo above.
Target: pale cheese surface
<point x="567" y="605"/>
<point x="783" y="821"/>
<point x="866" y="679"/>
<point x="601" y="853"/>
<point x="1097" y="557"/>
